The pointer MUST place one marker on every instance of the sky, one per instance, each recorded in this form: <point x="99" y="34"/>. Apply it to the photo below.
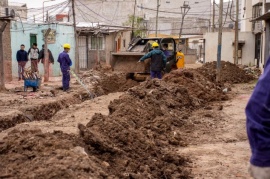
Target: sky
<point x="37" y="3"/>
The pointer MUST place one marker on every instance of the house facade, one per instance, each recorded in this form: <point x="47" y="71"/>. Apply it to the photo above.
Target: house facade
<point x="29" y="33"/>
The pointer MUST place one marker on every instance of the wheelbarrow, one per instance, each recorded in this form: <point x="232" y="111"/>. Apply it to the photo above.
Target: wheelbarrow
<point x="34" y="83"/>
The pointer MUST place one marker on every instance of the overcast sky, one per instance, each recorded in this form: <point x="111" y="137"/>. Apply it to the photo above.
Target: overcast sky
<point x="37" y="3"/>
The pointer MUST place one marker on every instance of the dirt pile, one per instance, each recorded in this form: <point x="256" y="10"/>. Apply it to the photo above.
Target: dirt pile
<point x="230" y="73"/>
<point x="138" y="137"/>
<point x="33" y="154"/>
<point x="135" y="138"/>
<point x="102" y="83"/>
<point x="201" y="89"/>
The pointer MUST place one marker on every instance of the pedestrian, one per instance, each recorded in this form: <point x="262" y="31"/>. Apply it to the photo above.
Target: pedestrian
<point x="65" y="63"/>
<point x="258" y="126"/>
<point x="34" y="52"/>
<point x="41" y="56"/>
<point x="158" y="61"/>
<point x="22" y="59"/>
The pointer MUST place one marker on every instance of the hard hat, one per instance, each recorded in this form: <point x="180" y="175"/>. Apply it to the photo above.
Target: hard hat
<point x="155" y="44"/>
<point x="66" y="46"/>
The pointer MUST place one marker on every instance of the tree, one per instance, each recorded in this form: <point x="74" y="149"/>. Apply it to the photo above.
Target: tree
<point x="138" y="27"/>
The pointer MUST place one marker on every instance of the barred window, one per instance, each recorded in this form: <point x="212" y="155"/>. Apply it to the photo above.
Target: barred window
<point x="97" y="42"/>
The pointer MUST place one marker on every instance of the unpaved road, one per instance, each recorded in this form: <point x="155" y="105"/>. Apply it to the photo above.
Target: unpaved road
<point x="227" y="152"/>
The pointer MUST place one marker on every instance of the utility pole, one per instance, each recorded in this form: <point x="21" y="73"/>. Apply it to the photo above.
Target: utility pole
<point x="133" y="19"/>
<point x="219" y="41"/>
<point x="214" y="14"/>
<point x="77" y="65"/>
<point x="184" y="10"/>
<point x="157" y="16"/>
<point x="236" y="34"/>
<point x="2" y="68"/>
<point x="46" y="56"/>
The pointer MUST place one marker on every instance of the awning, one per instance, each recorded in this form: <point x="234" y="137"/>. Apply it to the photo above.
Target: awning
<point x="266" y="16"/>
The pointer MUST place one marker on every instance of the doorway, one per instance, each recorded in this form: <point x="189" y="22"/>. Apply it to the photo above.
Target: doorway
<point x="33" y="39"/>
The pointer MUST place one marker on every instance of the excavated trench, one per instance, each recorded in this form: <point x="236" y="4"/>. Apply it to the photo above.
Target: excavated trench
<point x="36" y="111"/>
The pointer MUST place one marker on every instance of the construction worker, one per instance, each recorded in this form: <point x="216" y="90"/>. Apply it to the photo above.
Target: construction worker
<point x="258" y="126"/>
<point x="158" y="61"/>
<point x="33" y="52"/>
<point x="180" y="59"/>
<point x="65" y="63"/>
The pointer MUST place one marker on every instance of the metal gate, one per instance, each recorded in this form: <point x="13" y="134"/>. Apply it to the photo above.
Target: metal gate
<point x="82" y="46"/>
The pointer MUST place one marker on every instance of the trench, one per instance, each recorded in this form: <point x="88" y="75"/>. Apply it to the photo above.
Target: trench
<point x="44" y="111"/>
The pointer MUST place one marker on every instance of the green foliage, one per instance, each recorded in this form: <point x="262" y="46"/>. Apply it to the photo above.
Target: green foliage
<point x="139" y="29"/>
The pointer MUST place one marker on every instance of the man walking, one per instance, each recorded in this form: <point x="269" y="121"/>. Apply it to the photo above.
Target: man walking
<point x="34" y="52"/>
<point x="22" y="59"/>
<point x="258" y="126"/>
<point x="65" y="63"/>
<point x="157" y="63"/>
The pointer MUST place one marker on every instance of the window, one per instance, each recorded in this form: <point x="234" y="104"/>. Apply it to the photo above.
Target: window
<point x="97" y="42"/>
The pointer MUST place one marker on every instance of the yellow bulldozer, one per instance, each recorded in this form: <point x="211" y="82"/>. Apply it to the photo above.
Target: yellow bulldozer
<point x="127" y="61"/>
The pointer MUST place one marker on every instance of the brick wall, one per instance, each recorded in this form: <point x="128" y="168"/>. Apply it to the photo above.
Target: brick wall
<point x="7" y="52"/>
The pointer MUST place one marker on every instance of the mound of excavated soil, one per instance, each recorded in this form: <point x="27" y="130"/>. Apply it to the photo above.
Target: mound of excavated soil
<point x="33" y="154"/>
<point x="143" y="124"/>
<point x="105" y="83"/>
<point x="230" y="73"/>
<point x="198" y="87"/>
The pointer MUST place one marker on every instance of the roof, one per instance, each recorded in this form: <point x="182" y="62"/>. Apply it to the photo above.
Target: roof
<point x="88" y="27"/>
<point x="163" y="36"/>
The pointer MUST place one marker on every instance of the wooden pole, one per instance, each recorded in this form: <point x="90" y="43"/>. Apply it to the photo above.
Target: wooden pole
<point x="157" y="18"/>
<point x="236" y="34"/>
<point x="219" y="41"/>
<point x="213" y="19"/>
<point x="77" y="65"/>
<point x="2" y="68"/>
<point x="133" y="19"/>
<point x="46" y="56"/>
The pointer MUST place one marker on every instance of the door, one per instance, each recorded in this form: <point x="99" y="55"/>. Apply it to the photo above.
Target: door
<point x="82" y="46"/>
<point x="258" y="48"/>
<point x="33" y="39"/>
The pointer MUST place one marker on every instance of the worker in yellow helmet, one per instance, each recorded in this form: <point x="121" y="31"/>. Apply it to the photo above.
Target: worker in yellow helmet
<point x="158" y="61"/>
<point x="65" y="63"/>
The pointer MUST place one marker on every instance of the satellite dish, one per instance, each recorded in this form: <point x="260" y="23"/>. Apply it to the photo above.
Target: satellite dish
<point x="12" y="13"/>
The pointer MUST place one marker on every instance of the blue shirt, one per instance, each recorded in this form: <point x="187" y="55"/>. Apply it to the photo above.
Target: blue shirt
<point x="22" y="55"/>
<point x="64" y="60"/>
<point x="154" y="51"/>
<point x="258" y="120"/>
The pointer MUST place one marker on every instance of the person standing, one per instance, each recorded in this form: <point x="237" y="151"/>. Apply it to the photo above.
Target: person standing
<point x="22" y="59"/>
<point x="158" y="61"/>
<point x="34" y="52"/>
<point x="41" y="57"/>
<point x="65" y="63"/>
<point x="258" y="126"/>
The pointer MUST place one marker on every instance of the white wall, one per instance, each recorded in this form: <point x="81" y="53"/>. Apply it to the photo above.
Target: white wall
<point x="246" y="25"/>
<point x="248" y="52"/>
